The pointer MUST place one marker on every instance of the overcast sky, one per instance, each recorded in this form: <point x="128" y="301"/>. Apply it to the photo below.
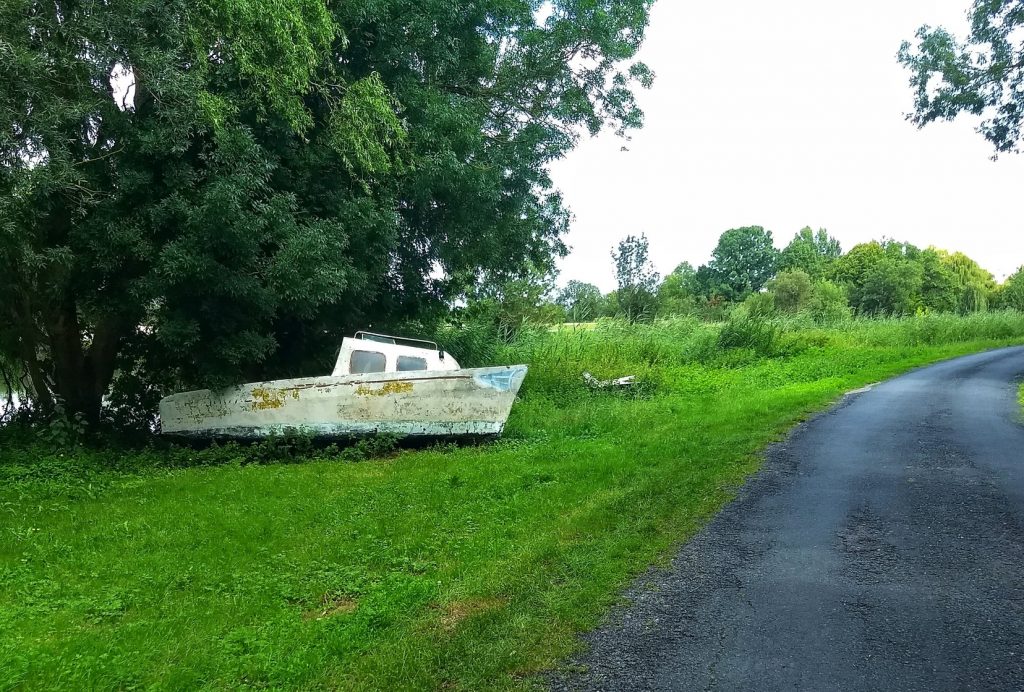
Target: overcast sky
<point x="785" y="115"/>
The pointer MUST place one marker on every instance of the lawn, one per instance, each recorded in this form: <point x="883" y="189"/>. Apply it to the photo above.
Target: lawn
<point x="464" y="568"/>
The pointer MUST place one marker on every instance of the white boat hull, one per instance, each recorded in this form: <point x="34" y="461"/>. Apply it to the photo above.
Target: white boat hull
<point x="424" y="404"/>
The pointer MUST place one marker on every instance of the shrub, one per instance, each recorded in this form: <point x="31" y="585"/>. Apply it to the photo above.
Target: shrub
<point x="760" y="306"/>
<point x="792" y="290"/>
<point x="828" y="303"/>
<point x="758" y="335"/>
<point x="1011" y="294"/>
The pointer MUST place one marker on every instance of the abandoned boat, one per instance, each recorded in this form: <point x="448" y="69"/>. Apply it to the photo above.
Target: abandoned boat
<point x="380" y="384"/>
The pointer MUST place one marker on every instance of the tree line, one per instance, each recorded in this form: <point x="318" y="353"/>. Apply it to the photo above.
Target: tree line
<point x="810" y="275"/>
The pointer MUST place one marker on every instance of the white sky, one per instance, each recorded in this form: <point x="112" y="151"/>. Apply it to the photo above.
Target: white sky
<point x="785" y="115"/>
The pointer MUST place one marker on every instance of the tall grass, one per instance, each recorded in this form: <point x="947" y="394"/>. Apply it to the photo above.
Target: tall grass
<point x="656" y="352"/>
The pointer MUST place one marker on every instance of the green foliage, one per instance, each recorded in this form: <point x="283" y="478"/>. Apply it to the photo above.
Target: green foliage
<point x="158" y="207"/>
<point x="614" y="348"/>
<point x="296" y="447"/>
<point x="973" y="285"/>
<point x="679" y="293"/>
<point x="514" y="303"/>
<point x="851" y="268"/>
<point x="939" y="285"/>
<point x="759" y="336"/>
<point x="742" y="263"/>
<point x="272" y="48"/>
<point x="829" y="304"/>
<point x="1012" y="293"/>
<point x="792" y="290"/>
<point x="981" y="76"/>
<point x="636" y="297"/>
<point x="792" y="294"/>
<point x="810" y="252"/>
<point x="889" y="287"/>
<point x="64" y="430"/>
<point x="365" y="132"/>
<point x="758" y="305"/>
<point x="898" y="278"/>
<point x="490" y="97"/>
<point x="582" y="302"/>
<point x="815" y="279"/>
<point x="472" y="342"/>
<point x="277" y="172"/>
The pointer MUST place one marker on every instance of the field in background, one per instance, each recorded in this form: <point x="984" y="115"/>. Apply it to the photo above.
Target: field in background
<point x="465" y="568"/>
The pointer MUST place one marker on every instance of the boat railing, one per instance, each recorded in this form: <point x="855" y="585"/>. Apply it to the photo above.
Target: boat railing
<point x="388" y="339"/>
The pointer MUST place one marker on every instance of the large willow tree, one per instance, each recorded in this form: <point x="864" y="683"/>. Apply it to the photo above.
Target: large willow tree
<point x="203" y="191"/>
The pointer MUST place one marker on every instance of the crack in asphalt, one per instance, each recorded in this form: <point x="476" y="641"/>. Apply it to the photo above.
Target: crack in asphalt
<point x="879" y="547"/>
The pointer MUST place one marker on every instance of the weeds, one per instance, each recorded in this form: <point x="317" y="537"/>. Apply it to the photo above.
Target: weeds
<point x="610" y="348"/>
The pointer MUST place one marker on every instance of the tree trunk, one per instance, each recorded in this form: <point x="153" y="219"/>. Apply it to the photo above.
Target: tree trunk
<point x="82" y="376"/>
<point x="101" y="360"/>
<point x="69" y="359"/>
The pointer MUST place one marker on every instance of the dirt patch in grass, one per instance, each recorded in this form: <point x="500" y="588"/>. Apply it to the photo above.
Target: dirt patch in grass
<point x="454" y="613"/>
<point x="330" y="606"/>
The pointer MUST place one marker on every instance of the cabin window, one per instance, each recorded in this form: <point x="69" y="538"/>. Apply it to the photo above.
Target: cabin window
<point x="407" y="363"/>
<point x="367" y="361"/>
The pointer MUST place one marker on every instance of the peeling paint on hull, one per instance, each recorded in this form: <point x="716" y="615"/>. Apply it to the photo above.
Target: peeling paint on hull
<point x="427" y="404"/>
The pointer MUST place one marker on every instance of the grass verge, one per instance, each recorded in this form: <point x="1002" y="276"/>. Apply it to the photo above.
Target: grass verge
<point x="464" y="568"/>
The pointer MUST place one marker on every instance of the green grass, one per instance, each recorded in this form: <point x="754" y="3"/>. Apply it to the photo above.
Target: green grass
<point x="467" y="568"/>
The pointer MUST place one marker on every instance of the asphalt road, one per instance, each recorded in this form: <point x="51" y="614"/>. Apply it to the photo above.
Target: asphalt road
<point x="880" y="548"/>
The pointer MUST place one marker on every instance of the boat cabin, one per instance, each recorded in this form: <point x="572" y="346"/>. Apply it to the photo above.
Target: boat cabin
<point x="367" y="352"/>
